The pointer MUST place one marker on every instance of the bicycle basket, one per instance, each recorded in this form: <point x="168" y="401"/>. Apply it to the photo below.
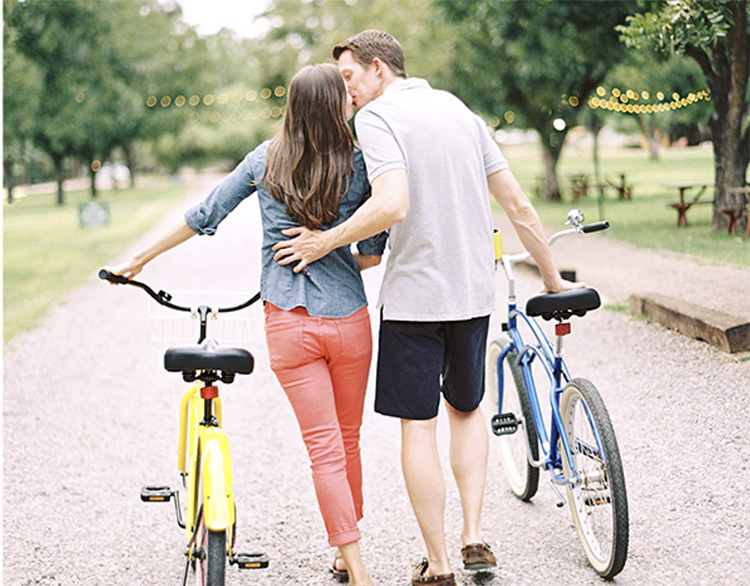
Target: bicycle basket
<point x="169" y="327"/>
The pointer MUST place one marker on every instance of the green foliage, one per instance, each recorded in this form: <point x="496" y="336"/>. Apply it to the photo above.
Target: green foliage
<point x="79" y="78"/>
<point x="534" y="62"/>
<point x="530" y="56"/>
<point x="675" y="25"/>
<point x="306" y="32"/>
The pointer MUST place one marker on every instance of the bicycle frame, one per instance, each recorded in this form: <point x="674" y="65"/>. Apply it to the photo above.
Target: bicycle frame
<point x="557" y="372"/>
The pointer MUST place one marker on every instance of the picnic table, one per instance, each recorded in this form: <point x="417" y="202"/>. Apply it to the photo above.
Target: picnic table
<point x="684" y="204"/>
<point x="734" y="213"/>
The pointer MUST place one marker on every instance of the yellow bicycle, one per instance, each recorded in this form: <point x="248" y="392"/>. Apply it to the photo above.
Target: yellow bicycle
<point x="203" y="447"/>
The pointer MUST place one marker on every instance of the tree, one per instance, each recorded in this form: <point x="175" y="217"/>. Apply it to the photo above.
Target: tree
<point x="96" y="68"/>
<point x="21" y="82"/>
<point x="57" y="37"/>
<point x="716" y="34"/>
<point x="535" y="61"/>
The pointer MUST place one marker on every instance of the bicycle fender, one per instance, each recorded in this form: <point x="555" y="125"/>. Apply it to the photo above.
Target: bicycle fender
<point x="216" y="472"/>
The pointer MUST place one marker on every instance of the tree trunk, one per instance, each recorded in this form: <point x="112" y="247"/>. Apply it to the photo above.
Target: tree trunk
<point x="92" y="175"/>
<point x="648" y="131"/>
<point x="728" y="81"/>
<point x="130" y="163"/>
<point x="59" y="177"/>
<point x="552" y="144"/>
<point x="8" y="172"/>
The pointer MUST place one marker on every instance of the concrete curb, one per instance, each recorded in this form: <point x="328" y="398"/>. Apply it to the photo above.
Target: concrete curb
<point x="724" y="331"/>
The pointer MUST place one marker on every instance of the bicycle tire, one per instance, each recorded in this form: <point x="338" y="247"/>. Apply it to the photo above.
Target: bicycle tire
<point x="599" y="503"/>
<point x="211" y="565"/>
<point x="522" y="477"/>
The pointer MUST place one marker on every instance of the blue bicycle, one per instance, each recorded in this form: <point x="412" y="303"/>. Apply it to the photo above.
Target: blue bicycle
<point x="576" y="444"/>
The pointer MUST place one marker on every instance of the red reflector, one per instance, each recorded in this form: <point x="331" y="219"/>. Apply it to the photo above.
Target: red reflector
<point x="209" y="392"/>
<point x="562" y="329"/>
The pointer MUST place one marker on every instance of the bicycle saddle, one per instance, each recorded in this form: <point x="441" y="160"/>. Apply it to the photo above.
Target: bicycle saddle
<point x="208" y="356"/>
<point x="561" y="306"/>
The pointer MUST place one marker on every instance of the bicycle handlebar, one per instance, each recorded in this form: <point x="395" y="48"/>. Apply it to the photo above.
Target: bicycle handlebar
<point x="164" y="298"/>
<point x="575" y="218"/>
<point x="595" y="227"/>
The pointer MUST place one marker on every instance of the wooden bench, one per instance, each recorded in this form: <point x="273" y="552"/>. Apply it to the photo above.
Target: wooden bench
<point x="623" y="190"/>
<point x="683" y="206"/>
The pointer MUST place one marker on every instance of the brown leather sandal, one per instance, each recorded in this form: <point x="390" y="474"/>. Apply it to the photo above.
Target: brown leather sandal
<point x="419" y="576"/>
<point x="478" y="556"/>
<point x="335" y="569"/>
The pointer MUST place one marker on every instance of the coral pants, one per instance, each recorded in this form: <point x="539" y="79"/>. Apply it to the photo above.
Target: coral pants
<point x="322" y="365"/>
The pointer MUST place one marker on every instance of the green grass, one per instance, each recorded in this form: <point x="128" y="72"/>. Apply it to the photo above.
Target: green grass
<point x="645" y="220"/>
<point x="46" y="253"/>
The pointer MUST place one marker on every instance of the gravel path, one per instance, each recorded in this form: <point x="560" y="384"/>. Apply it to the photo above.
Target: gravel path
<point x="83" y="430"/>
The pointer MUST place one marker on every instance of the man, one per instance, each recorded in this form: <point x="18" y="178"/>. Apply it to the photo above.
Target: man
<point x="430" y="161"/>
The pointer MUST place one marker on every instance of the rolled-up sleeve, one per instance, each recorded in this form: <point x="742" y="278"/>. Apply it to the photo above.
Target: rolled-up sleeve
<point x="374" y="244"/>
<point x="205" y="217"/>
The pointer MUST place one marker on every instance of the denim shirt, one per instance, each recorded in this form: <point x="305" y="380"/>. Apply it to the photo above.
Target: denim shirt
<point x="330" y="287"/>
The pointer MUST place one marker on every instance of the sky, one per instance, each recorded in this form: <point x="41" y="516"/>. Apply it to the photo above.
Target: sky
<point x="210" y="16"/>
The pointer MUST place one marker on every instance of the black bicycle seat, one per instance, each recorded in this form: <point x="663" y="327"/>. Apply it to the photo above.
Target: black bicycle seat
<point x="562" y="305"/>
<point x="208" y="356"/>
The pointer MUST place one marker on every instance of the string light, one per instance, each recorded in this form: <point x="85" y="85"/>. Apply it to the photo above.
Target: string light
<point x="628" y="102"/>
<point x="210" y="99"/>
<point x="236" y="97"/>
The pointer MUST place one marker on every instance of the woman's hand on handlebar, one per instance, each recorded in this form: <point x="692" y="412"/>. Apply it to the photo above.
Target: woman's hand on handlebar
<point x="128" y="269"/>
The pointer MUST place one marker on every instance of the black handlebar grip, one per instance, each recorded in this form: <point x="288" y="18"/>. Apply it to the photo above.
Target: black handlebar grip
<point x="105" y="275"/>
<point x="595" y="227"/>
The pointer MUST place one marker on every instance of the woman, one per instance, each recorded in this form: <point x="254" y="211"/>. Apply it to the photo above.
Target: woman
<point x="317" y="323"/>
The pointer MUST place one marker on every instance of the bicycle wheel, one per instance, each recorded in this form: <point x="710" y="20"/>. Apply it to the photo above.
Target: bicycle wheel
<point x="599" y="502"/>
<point x="210" y="567"/>
<point x="522" y="477"/>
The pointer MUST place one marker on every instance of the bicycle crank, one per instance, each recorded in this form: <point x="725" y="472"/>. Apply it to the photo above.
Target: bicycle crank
<point x="163" y="494"/>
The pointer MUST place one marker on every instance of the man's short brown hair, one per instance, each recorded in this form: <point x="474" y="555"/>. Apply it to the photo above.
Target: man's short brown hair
<point x="367" y="45"/>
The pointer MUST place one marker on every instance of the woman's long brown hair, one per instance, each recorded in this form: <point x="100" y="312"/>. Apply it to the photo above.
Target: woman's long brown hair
<point x="309" y="162"/>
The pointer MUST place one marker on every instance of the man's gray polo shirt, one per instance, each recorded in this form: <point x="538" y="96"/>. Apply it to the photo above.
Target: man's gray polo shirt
<point x="441" y="264"/>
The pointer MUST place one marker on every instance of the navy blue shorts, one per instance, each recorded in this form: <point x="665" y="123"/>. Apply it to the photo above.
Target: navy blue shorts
<point x="419" y="361"/>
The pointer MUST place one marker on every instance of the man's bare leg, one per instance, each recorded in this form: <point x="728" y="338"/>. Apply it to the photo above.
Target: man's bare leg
<point x="468" y="454"/>
<point x="426" y="487"/>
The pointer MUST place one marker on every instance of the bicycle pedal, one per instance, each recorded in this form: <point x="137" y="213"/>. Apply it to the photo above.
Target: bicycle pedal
<point x="504" y="424"/>
<point x="156" y="494"/>
<point x="597" y="501"/>
<point x="249" y="561"/>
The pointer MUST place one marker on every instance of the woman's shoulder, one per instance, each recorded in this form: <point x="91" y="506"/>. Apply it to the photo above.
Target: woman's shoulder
<point x="255" y="161"/>
<point x="259" y="152"/>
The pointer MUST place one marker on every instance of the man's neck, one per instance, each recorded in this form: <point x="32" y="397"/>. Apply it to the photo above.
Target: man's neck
<point x="389" y="81"/>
